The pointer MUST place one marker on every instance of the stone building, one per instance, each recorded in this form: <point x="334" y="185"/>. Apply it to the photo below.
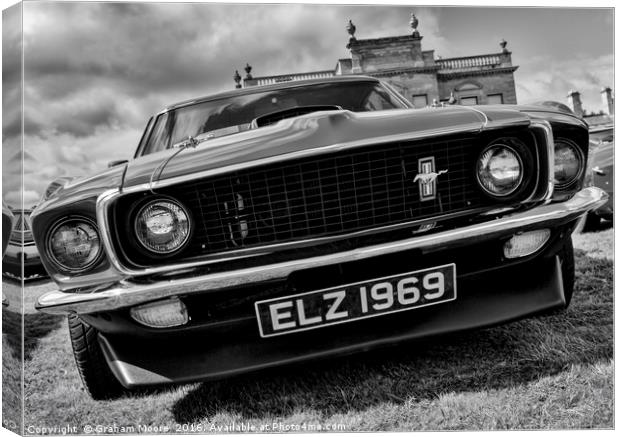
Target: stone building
<point x="420" y="76"/>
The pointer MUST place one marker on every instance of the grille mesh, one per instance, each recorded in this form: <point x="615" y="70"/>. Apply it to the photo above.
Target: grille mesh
<point x="328" y="195"/>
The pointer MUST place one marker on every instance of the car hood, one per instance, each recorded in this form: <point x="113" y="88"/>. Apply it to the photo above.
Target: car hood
<point x="82" y="188"/>
<point x="315" y="130"/>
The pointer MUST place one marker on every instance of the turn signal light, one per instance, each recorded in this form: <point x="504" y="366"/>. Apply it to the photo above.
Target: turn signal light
<point x="526" y="243"/>
<point x="161" y="314"/>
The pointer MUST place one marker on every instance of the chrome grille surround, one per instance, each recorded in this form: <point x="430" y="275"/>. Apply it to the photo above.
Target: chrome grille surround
<point x="107" y="199"/>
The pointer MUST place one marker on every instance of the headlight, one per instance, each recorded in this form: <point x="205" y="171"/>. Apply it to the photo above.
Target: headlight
<point x="74" y="244"/>
<point x="162" y="226"/>
<point x="499" y="170"/>
<point x="568" y="163"/>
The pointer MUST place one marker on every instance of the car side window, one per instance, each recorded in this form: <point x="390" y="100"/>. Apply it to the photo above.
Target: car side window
<point x="376" y="101"/>
<point x="160" y="137"/>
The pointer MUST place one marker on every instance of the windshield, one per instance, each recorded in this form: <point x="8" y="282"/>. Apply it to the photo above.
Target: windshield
<point x="235" y="114"/>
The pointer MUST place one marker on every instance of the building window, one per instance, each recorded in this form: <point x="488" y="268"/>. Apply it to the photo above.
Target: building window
<point x="469" y="101"/>
<point x="495" y="99"/>
<point x="420" y="101"/>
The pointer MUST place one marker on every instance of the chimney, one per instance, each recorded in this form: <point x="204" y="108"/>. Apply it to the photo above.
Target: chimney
<point x="608" y="100"/>
<point x="574" y="102"/>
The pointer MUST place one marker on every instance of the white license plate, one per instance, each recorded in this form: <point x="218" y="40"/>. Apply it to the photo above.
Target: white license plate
<point x="361" y="300"/>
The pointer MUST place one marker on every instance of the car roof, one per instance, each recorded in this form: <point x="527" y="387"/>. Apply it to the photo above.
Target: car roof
<point x="264" y="88"/>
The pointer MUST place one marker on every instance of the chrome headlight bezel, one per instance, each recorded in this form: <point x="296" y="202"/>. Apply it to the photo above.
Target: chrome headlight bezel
<point x="145" y="248"/>
<point x="50" y="252"/>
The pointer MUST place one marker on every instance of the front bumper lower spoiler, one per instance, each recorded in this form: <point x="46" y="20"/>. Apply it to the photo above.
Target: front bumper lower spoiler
<point x="127" y="293"/>
<point x="526" y="290"/>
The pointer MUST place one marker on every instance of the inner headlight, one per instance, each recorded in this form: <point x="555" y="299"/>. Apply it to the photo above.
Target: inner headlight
<point x="499" y="170"/>
<point x="74" y="244"/>
<point x="568" y="163"/>
<point x="162" y="226"/>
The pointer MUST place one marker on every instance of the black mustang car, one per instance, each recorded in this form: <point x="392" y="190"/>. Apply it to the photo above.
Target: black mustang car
<point x="276" y="224"/>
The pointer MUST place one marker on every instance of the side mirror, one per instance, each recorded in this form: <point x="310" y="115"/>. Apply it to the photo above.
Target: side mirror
<point x="117" y="162"/>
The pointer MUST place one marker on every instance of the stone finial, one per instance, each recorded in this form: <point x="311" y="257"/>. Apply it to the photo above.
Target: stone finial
<point x="414" y="25"/>
<point x="248" y="69"/>
<point x="237" y="79"/>
<point x="503" y="44"/>
<point x="351" y="30"/>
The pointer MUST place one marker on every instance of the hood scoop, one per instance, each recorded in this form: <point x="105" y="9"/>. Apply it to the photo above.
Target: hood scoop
<point x="274" y="117"/>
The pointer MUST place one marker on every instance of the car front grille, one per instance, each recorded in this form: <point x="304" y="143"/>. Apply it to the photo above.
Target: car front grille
<point x="328" y="195"/>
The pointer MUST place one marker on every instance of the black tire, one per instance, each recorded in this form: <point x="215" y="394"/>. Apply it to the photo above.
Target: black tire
<point x="96" y="375"/>
<point x="592" y="223"/>
<point x="567" y="263"/>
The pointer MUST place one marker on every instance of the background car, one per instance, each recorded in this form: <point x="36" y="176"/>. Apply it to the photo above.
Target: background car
<point x="601" y="173"/>
<point x="7" y="228"/>
<point x="21" y="243"/>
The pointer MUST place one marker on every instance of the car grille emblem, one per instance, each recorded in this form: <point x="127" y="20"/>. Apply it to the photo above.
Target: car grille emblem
<point x="427" y="178"/>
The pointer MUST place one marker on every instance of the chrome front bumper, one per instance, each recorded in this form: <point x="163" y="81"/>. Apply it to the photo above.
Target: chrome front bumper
<point x="127" y="293"/>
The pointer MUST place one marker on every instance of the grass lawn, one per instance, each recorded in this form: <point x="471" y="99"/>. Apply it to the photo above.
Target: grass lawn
<point x="552" y="372"/>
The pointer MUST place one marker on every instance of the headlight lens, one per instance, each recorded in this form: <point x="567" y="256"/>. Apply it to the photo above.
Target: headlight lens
<point x="74" y="244"/>
<point x="500" y="170"/>
<point x="162" y="226"/>
<point x="568" y="163"/>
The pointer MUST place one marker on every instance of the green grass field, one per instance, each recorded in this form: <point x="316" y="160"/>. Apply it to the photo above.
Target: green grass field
<point x="552" y="372"/>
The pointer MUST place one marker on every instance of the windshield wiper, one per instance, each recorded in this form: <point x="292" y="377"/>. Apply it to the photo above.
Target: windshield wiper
<point x="191" y="141"/>
<point x="204" y="136"/>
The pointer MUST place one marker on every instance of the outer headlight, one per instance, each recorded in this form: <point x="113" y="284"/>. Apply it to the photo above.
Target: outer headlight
<point x="499" y="170"/>
<point x="163" y="226"/>
<point x="568" y="163"/>
<point x="74" y="244"/>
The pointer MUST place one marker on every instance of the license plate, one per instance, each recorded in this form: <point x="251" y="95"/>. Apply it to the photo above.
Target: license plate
<point x="361" y="300"/>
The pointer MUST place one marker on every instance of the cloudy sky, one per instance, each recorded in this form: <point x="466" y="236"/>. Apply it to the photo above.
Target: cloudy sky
<point x="94" y="72"/>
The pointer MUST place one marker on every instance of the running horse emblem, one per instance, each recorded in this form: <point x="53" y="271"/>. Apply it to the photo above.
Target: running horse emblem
<point x="427" y="178"/>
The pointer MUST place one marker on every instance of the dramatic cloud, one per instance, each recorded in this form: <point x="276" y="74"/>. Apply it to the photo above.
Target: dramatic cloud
<point x="554" y="80"/>
<point x="11" y="105"/>
<point x="95" y="72"/>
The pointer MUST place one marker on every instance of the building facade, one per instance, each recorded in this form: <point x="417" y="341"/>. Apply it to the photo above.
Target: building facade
<point x="421" y="77"/>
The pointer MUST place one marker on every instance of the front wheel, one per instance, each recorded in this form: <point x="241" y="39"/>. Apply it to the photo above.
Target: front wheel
<point x="91" y="364"/>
